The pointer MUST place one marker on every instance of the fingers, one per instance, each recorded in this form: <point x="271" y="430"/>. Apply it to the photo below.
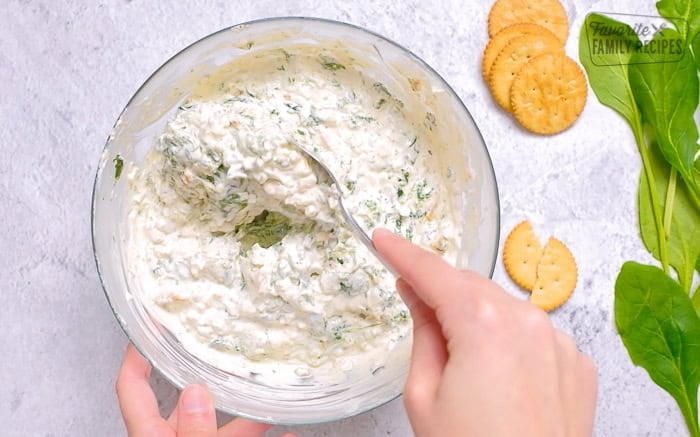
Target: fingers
<point x="235" y="428"/>
<point x="418" y="267"/>
<point x="429" y="353"/>
<point x="172" y="419"/>
<point x="578" y="385"/>
<point x="136" y="398"/>
<point x="458" y="298"/>
<point x="244" y="428"/>
<point x="434" y="281"/>
<point x="589" y="390"/>
<point x="567" y="381"/>
<point x="195" y="413"/>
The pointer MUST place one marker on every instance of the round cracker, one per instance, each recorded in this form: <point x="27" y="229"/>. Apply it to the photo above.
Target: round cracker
<point x="502" y="38"/>
<point x="521" y="254"/>
<point x="556" y="276"/>
<point x="548" y="94"/>
<point x="549" y="14"/>
<point x="518" y="52"/>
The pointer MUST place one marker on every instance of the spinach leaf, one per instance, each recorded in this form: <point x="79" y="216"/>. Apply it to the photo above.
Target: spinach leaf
<point x="667" y="94"/>
<point x="684" y="14"/>
<point x="266" y="230"/>
<point x="118" y="166"/>
<point x="235" y="199"/>
<point x="683" y="240"/>
<point x="331" y="64"/>
<point x="608" y="74"/>
<point x="608" y="71"/>
<point x="661" y="332"/>
<point x="695" y="46"/>
<point x="658" y="87"/>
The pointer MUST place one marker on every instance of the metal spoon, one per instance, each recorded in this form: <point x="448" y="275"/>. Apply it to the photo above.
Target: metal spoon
<point x="324" y="172"/>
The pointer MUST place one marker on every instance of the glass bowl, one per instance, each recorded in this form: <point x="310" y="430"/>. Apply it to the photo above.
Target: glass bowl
<point x="143" y="120"/>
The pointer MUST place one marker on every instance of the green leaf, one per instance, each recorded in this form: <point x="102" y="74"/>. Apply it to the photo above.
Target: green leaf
<point x="661" y="332"/>
<point x="331" y="64"/>
<point x="667" y="95"/>
<point x="608" y="71"/>
<point x="608" y="74"/>
<point x="235" y="199"/>
<point x="684" y="14"/>
<point x="695" y="46"/>
<point x="381" y="89"/>
<point x="118" y="166"/>
<point x="266" y="230"/>
<point x="683" y="243"/>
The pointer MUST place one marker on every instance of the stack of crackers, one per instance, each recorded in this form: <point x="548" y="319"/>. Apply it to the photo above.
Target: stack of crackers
<point x="527" y="69"/>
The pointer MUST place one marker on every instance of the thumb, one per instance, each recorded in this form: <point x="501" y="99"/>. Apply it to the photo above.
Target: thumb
<point x="196" y="416"/>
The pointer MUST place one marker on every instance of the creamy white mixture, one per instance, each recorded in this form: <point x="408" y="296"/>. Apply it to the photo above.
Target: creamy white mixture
<point x="239" y="249"/>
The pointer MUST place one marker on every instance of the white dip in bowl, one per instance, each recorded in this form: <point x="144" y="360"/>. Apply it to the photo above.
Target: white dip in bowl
<point x="232" y="265"/>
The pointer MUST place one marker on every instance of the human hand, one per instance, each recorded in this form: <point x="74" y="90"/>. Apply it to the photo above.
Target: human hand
<point x="483" y="362"/>
<point x="194" y="415"/>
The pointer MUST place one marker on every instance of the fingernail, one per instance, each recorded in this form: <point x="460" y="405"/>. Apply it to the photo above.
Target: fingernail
<point x="381" y="233"/>
<point x="195" y="400"/>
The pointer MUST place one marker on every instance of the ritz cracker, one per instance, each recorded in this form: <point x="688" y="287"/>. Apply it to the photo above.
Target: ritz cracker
<point x="526" y="67"/>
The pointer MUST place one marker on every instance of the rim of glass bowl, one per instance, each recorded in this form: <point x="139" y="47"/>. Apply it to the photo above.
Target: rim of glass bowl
<point x="354" y="27"/>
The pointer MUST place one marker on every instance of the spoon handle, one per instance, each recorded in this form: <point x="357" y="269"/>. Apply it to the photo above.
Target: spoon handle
<point x="363" y="237"/>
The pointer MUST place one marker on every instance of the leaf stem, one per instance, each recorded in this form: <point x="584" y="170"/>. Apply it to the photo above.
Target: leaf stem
<point x="655" y="205"/>
<point x="694" y="191"/>
<point x="670" y="202"/>
<point x="685" y="281"/>
<point x="694" y="428"/>
<point x="690" y="417"/>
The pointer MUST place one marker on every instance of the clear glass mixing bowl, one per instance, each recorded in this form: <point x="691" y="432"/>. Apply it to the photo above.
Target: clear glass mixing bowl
<point x="143" y="120"/>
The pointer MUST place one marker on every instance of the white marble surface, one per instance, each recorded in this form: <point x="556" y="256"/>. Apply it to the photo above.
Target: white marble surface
<point x="68" y="67"/>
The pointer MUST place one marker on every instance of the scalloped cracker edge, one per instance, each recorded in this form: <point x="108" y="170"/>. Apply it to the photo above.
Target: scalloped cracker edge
<point x="557" y="276"/>
<point x="549" y="14"/>
<point x="501" y="40"/>
<point x="514" y="56"/>
<point x="548" y="94"/>
<point x="522" y="252"/>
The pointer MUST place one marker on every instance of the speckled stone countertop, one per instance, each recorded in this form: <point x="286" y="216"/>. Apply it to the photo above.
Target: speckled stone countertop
<point x="68" y="67"/>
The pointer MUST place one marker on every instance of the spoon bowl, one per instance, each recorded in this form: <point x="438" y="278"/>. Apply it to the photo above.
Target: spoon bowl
<point x="324" y="173"/>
